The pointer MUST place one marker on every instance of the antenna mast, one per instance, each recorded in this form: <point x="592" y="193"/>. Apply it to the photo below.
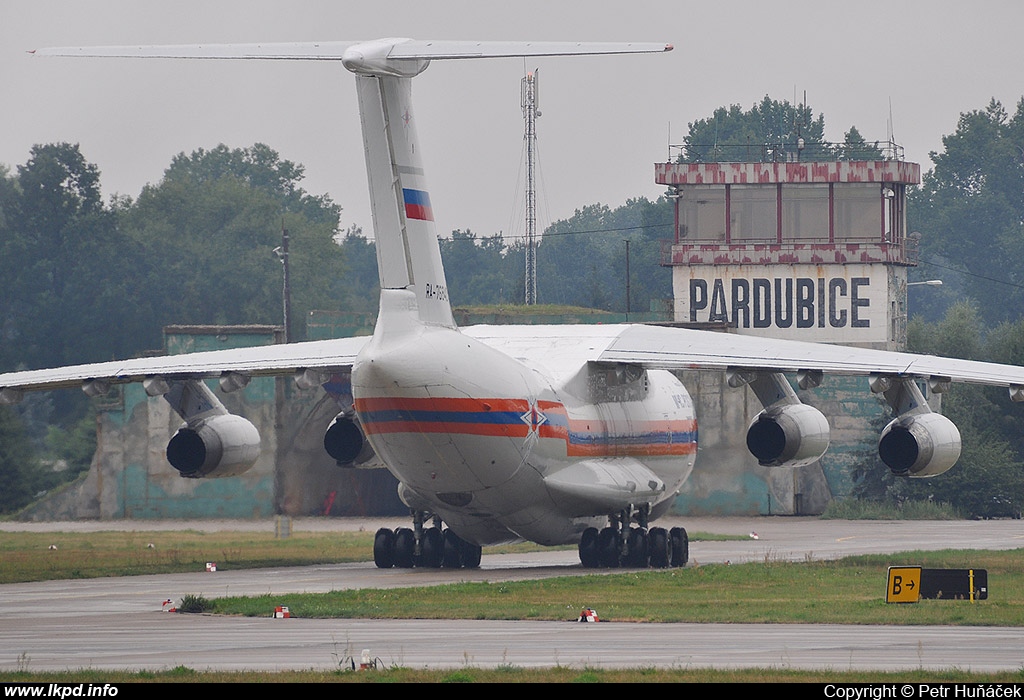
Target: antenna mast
<point x="530" y="114"/>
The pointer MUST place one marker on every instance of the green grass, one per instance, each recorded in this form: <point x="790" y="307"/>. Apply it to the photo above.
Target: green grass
<point x="857" y="509"/>
<point x="847" y="591"/>
<point x="34" y="556"/>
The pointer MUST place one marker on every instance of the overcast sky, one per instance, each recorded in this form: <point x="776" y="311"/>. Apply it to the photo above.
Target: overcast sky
<point x="605" y="121"/>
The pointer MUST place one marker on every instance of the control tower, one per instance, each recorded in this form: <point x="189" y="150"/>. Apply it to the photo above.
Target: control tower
<point x="806" y="251"/>
<point x="813" y="251"/>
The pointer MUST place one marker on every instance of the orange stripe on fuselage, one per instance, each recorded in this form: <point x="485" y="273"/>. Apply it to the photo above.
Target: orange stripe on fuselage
<point x="513" y="418"/>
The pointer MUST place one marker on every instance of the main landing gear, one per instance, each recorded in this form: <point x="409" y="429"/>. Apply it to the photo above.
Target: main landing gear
<point x="620" y="544"/>
<point x="429" y="547"/>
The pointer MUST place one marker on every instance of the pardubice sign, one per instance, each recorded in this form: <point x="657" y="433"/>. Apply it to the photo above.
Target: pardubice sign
<point x="833" y="303"/>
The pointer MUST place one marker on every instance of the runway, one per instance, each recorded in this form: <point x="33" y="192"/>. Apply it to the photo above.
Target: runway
<point x="119" y="623"/>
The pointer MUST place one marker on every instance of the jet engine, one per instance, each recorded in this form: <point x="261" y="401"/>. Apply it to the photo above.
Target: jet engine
<point x="920" y="445"/>
<point x="346" y="443"/>
<point x="788" y="435"/>
<point x="217" y="446"/>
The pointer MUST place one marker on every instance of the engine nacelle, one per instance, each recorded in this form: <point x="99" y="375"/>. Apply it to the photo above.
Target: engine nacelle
<point x="346" y="443"/>
<point x="789" y="435"/>
<point x="926" y="444"/>
<point x="224" y="445"/>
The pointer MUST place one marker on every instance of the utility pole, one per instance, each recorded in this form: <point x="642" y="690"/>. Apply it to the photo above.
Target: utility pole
<point x="530" y="114"/>
<point x="627" y="279"/>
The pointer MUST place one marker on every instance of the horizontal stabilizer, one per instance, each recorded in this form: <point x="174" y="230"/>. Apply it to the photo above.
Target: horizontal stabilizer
<point x="300" y="51"/>
<point x="437" y="50"/>
<point x="405" y="49"/>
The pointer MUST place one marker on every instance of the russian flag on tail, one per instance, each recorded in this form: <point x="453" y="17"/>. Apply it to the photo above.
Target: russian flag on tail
<point x="417" y="205"/>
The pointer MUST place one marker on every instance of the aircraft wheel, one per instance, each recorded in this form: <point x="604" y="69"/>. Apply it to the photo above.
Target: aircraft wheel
<point x="432" y="548"/>
<point x="471" y="555"/>
<point x="639" y="554"/>
<point x="405" y="547"/>
<point x="680" y="546"/>
<point x="608" y="548"/>
<point x="384" y="548"/>
<point x="453" y="546"/>
<point x="660" y="547"/>
<point x="589" y="555"/>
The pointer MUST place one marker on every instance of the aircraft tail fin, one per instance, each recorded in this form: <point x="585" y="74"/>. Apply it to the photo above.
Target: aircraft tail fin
<point x="408" y="255"/>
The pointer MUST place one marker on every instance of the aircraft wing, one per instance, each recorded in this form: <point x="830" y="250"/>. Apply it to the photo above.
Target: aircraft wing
<point x="557" y="347"/>
<point x="269" y="360"/>
<point x="661" y="347"/>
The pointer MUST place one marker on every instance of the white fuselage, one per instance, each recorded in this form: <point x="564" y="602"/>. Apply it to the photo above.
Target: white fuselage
<point x="475" y="435"/>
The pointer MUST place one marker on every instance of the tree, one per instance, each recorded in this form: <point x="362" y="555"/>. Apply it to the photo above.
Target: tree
<point x="361" y="281"/>
<point x="854" y="147"/>
<point x="66" y="265"/>
<point x="476" y="270"/>
<point x="209" y="231"/>
<point x="970" y="212"/>
<point x="17" y="463"/>
<point x="764" y="132"/>
<point x="582" y="260"/>
<point x="9" y="195"/>
<point x="769" y="131"/>
<point x="260" y="168"/>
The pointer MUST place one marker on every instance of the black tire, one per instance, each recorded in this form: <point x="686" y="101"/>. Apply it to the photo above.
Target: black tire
<point x="452" y="545"/>
<point x="589" y="556"/>
<point x="384" y="548"/>
<point x="608" y="548"/>
<point x="660" y="547"/>
<point x="639" y="548"/>
<point x="471" y="554"/>
<point x="405" y="547"/>
<point x="432" y="548"/>
<point x="680" y="546"/>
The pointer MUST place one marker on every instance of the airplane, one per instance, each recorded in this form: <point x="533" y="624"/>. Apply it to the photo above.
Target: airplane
<point x="552" y="434"/>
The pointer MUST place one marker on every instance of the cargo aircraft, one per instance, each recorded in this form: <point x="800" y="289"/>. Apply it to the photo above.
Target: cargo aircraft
<point x="554" y="434"/>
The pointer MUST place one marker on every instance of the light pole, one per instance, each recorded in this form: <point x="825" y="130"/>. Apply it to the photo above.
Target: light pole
<point x="286" y="292"/>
